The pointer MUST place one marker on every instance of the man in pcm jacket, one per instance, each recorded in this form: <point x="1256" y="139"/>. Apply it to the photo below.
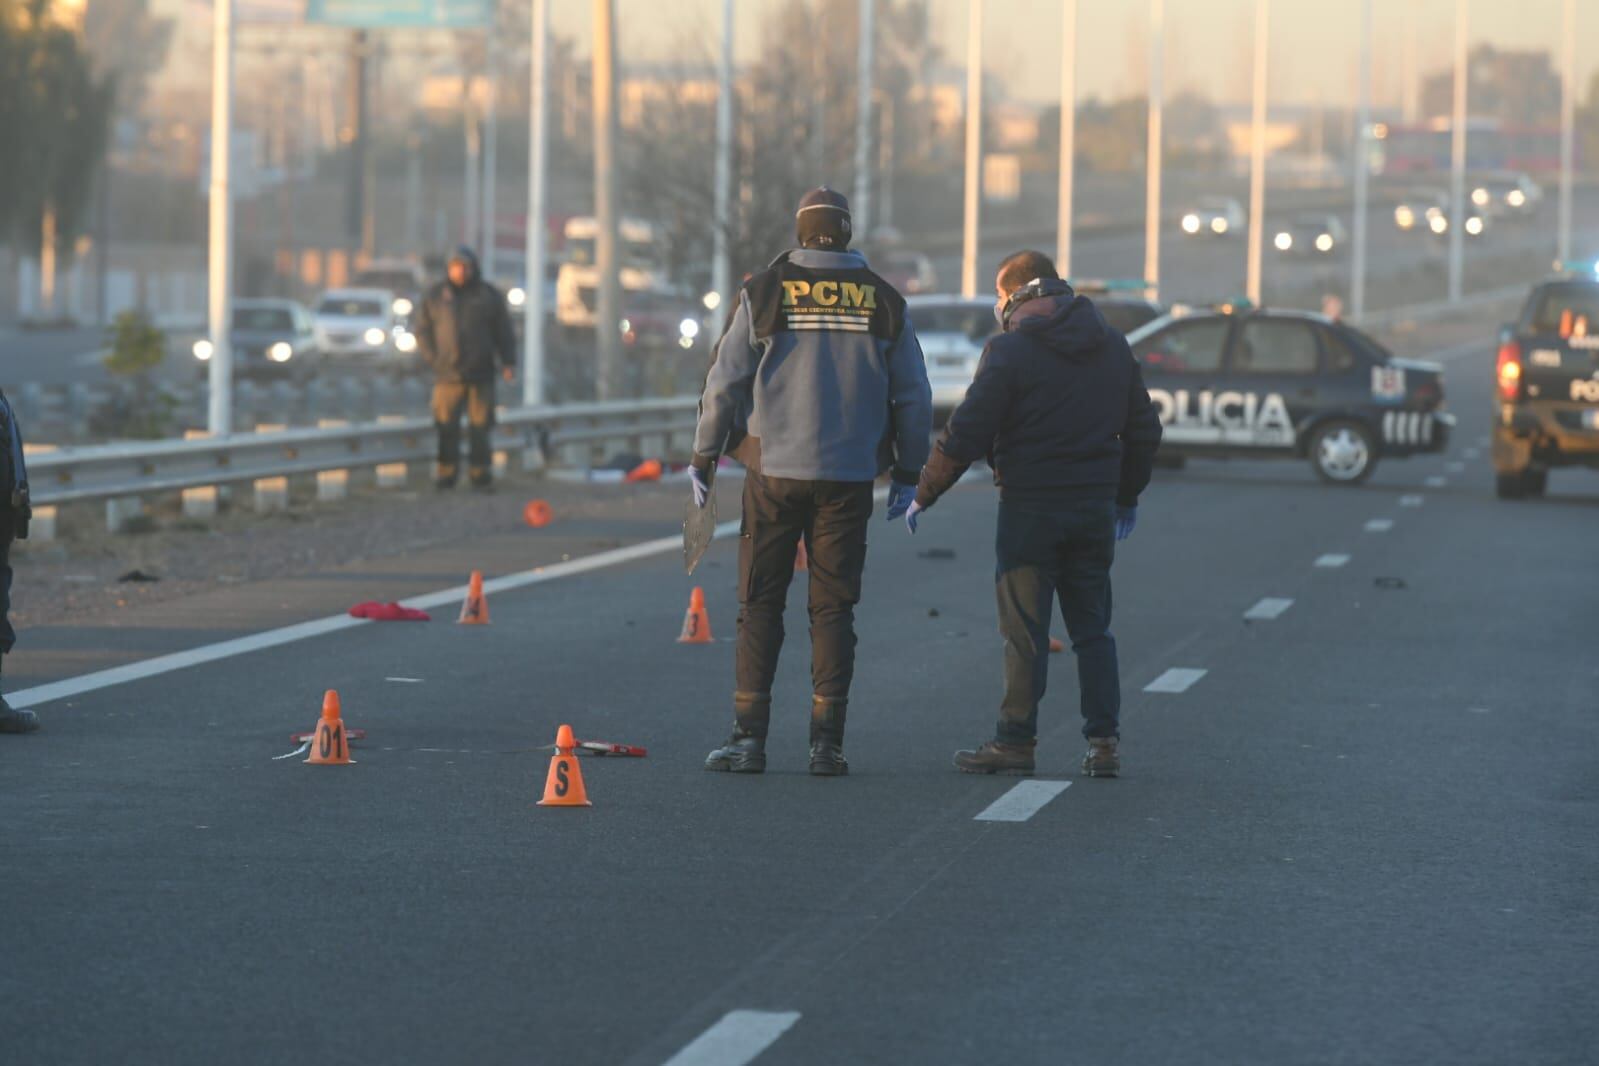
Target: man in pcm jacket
<point x="464" y="331"/>
<point x="1059" y="408"/>
<point x="818" y="387"/>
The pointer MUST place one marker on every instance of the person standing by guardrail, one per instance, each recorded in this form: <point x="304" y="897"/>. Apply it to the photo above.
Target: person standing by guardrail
<point x="15" y="513"/>
<point x="819" y="386"/>
<point x="463" y="329"/>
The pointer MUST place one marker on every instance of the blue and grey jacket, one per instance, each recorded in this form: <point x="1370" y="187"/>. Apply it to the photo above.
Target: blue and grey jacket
<point x="819" y="376"/>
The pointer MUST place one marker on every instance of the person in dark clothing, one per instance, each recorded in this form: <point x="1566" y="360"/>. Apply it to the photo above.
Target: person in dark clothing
<point x="818" y="387"/>
<point x="1059" y="409"/>
<point x="464" y="331"/>
<point x="15" y="514"/>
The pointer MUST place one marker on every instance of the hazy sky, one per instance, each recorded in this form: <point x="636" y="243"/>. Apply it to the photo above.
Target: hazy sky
<point x="1208" y="42"/>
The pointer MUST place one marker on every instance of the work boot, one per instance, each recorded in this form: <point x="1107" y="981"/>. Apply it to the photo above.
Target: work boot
<point x="745" y="750"/>
<point x="15" y="721"/>
<point x="1102" y="759"/>
<point x="994" y="757"/>
<point x="827" y="737"/>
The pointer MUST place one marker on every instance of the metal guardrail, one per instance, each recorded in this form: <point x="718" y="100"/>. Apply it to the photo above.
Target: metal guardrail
<point x="110" y="471"/>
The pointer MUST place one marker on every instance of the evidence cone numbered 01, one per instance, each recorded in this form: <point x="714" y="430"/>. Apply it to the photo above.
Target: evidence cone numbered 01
<point x="330" y="747"/>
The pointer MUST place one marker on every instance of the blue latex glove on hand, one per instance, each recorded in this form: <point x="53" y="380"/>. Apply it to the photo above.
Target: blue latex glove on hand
<point x="702" y="488"/>
<point x="1126" y="519"/>
<point x="912" y="515"/>
<point x="900" y="498"/>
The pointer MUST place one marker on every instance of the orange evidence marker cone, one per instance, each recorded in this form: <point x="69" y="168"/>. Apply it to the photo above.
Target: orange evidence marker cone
<point x="475" y="608"/>
<point x="1055" y="646"/>
<point x="802" y="561"/>
<point x="697" y="623"/>
<point x="563" y="787"/>
<point x="538" y="514"/>
<point x="330" y="747"/>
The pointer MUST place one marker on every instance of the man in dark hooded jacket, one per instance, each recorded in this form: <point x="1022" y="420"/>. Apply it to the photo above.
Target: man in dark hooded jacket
<point x="15" y="513"/>
<point x="464" y="332"/>
<point x="1059" y="409"/>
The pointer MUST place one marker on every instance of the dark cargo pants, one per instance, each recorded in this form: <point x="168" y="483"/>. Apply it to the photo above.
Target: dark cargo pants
<point x="477" y="399"/>
<point x="8" y="636"/>
<point x="1045" y="550"/>
<point x="832" y="517"/>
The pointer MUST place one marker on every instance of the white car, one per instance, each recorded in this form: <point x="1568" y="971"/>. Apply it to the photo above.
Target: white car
<point x="952" y="331"/>
<point x="1214" y="216"/>
<point x="360" y="324"/>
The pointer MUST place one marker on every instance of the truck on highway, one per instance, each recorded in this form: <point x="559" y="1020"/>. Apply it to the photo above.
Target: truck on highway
<point x="577" y="281"/>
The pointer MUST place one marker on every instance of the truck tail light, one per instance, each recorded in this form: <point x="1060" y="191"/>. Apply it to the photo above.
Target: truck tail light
<point x="1508" y="370"/>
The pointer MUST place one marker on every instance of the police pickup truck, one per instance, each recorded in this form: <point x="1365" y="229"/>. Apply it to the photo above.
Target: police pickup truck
<point x="1546" y="402"/>
<point x="1236" y="382"/>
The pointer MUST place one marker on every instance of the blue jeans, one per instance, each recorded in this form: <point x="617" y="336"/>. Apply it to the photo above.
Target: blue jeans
<point x="1047" y="549"/>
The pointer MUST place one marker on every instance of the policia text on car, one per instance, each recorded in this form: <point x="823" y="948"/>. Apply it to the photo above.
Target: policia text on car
<point x="15" y="513"/>
<point x="818" y="387"/>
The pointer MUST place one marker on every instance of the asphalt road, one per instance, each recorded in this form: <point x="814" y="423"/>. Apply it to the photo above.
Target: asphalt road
<point x="1368" y="833"/>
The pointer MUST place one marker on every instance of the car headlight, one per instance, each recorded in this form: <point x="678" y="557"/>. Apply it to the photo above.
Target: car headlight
<point x="1515" y="198"/>
<point x="1404" y="216"/>
<point x="405" y="342"/>
<point x="1324" y="243"/>
<point x="374" y="337"/>
<point x="402" y="306"/>
<point x="1284" y="241"/>
<point x="711" y="300"/>
<point x="1438" y="224"/>
<point x="1474" y="225"/>
<point x="688" y="329"/>
<point x="202" y="350"/>
<point x="1218" y="224"/>
<point x="281" y="352"/>
<point x="1480" y="197"/>
<point x="1190" y="223"/>
<point x="517" y="296"/>
<point x="685" y="342"/>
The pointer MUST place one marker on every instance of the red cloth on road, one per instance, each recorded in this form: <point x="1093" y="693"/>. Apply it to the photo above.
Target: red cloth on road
<point x="388" y="612"/>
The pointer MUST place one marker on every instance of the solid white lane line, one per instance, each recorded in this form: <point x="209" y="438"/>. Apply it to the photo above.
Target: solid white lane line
<point x="737" y="1039"/>
<point x="1436" y="482"/>
<point x="1411" y="501"/>
<point x="1331" y="562"/>
<point x="1379" y="525"/>
<point x="1177" y="679"/>
<point x="1023" y="801"/>
<point x="1268" y="608"/>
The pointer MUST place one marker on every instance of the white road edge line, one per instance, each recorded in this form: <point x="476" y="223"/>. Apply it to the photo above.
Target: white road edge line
<point x="737" y="1039"/>
<point x="1023" y="801"/>
<point x="1177" y="679"/>
<point x="1379" y="525"/>
<point x="1331" y="561"/>
<point x="1268" y="608"/>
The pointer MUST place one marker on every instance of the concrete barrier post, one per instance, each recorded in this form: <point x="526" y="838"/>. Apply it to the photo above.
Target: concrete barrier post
<point x="121" y="512"/>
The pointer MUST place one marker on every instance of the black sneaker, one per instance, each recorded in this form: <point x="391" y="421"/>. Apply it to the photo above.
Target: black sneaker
<point x="1015" y="760"/>
<point x="827" y="759"/>
<point x="740" y="755"/>
<point x="1102" y="759"/>
<point x="13" y="720"/>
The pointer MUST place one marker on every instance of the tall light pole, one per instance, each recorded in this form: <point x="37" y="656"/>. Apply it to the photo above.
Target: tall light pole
<point x="608" y="305"/>
<point x="1257" y="155"/>
<point x="1568" y="103"/>
<point x="974" y="145"/>
<point x="533" y="309"/>
<point x="722" y="220"/>
<point x="1357" y="280"/>
<point x="861" y="208"/>
<point x="1457" y="156"/>
<point x="491" y="152"/>
<point x="1068" y="135"/>
<point x="1152" y="148"/>
<point x="219" y="294"/>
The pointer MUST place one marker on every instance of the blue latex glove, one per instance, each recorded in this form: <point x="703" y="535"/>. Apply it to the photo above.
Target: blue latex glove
<point x="1126" y="519"/>
<point x="912" y="515"/>
<point x="702" y="488"/>
<point x="900" y="498"/>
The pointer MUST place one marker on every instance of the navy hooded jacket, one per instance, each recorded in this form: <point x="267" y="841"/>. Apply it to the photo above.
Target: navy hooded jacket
<point x="1058" y="407"/>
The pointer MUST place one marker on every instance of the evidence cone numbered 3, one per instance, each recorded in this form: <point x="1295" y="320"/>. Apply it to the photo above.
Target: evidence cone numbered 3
<point x="330" y="747"/>
<point x="475" y="608"/>
<point x="697" y="623"/>
<point x="563" y="785"/>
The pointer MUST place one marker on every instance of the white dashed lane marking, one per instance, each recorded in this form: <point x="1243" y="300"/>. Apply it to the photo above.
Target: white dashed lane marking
<point x="1411" y="501"/>
<point x="1331" y="562"/>
<point x="1267" y="609"/>
<point x="1456" y="467"/>
<point x="1177" y="679"/>
<point x="737" y="1039"/>
<point x="1379" y="525"/>
<point x="1436" y="482"/>
<point x="1023" y="801"/>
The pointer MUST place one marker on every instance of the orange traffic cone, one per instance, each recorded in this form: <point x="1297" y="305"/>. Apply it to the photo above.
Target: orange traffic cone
<point x="1055" y="646"/>
<point x="475" y="608"/>
<point x="563" y="787"/>
<point x="538" y="513"/>
<point x="648" y="470"/>
<point x="330" y="747"/>
<point x="697" y="623"/>
<point x="802" y="561"/>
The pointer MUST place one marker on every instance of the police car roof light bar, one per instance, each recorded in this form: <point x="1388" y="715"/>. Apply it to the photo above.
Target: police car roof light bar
<point x="1093" y="285"/>
<point x="1577" y="266"/>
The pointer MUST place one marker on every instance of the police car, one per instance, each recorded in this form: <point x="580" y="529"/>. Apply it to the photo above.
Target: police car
<point x="1546" y="403"/>
<point x="1237" y="382"/>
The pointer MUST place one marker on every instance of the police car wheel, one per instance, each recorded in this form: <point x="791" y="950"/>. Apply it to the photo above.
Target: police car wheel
<point x="1343" y="453"/>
